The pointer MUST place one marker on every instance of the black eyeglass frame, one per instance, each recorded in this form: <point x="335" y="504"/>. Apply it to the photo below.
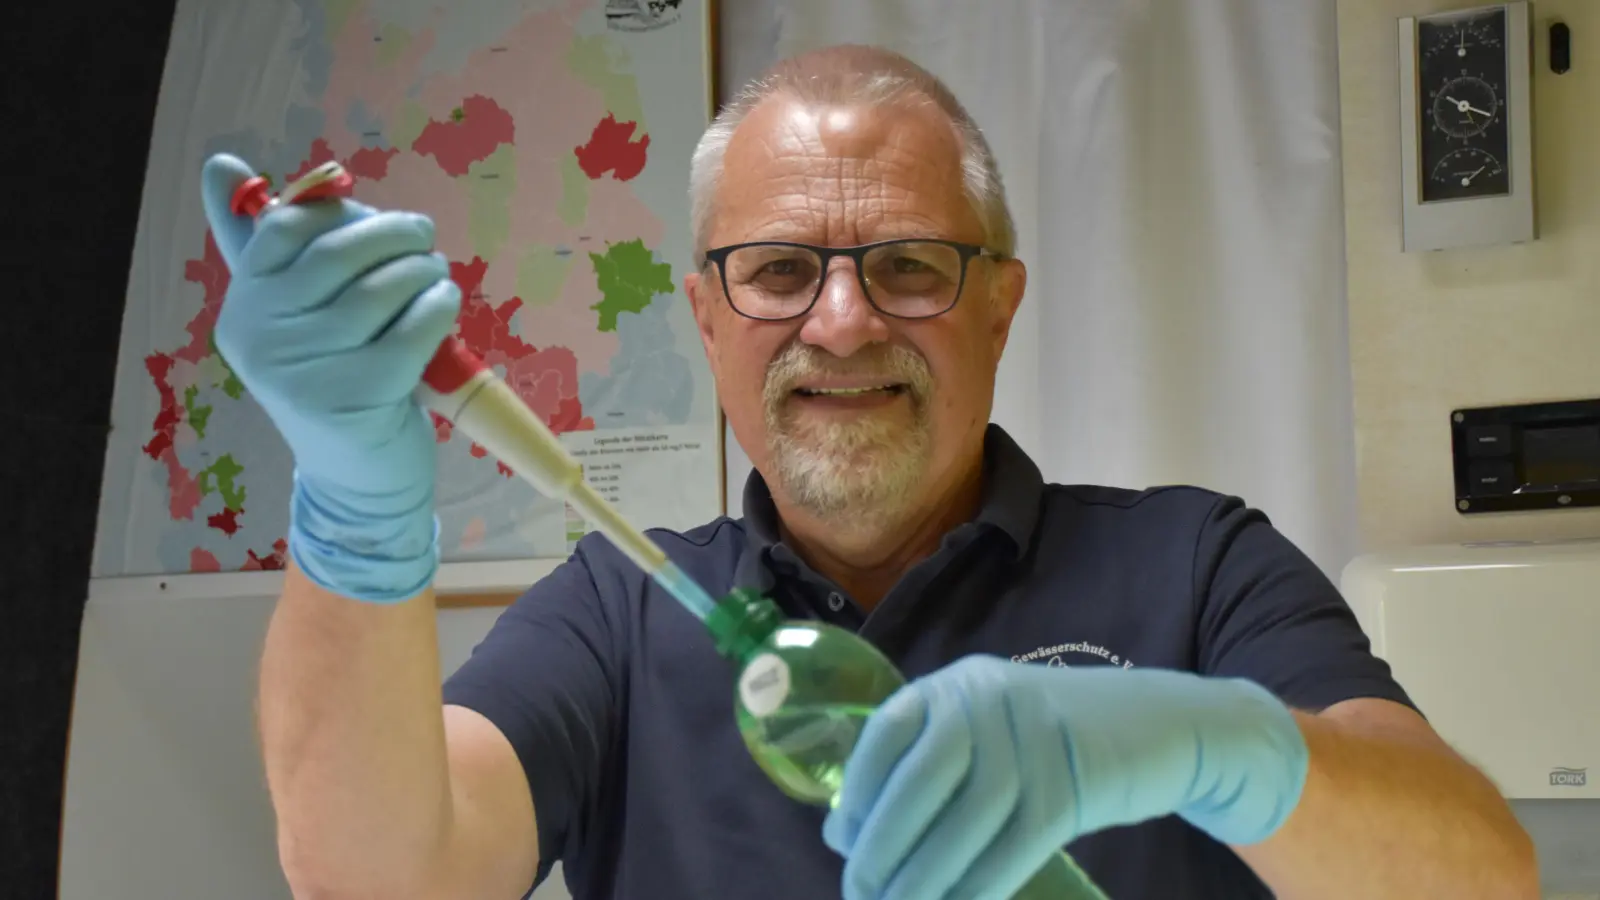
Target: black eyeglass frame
<point x="858" y="255"/>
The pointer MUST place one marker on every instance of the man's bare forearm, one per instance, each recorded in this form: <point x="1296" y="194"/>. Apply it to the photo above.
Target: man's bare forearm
<point x="1387" y="813"/>
<point x="354" y="742"/>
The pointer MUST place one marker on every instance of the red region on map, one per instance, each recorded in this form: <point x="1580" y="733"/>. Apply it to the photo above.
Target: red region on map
<point x="226" y="521"/>
<point x="273" y="560"/>
<point x="477" y="128"/>
<point x="612" y="149"/>
<point x="485" y="328"/>
<point x="211" y="273"/>
<point x="202" y="560"/>
<point x="441" y="427"/>
<point x="159" y="365"/>
<point x="546" y="380"/>
<point x="321" y="152"/>
<point x="368" y="162"/>
<point x="183" y="492"/>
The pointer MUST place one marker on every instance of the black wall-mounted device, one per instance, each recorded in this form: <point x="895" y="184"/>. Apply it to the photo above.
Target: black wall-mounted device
<point x="1560" y="48"/>
<point x="1529" y="457"/>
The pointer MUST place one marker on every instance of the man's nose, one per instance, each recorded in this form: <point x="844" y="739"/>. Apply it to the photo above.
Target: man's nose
<point x="842" y="320"/>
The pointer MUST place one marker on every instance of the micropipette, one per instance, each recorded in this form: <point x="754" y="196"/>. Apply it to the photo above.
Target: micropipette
<point x="461" y="388"/>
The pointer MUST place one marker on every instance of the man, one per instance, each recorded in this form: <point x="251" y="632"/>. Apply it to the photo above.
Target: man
<point x="1156" y="679"/>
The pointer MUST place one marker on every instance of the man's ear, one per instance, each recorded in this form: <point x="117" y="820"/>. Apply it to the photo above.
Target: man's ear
<point x="703" y="302"/>
<point x="1005" y="295"/>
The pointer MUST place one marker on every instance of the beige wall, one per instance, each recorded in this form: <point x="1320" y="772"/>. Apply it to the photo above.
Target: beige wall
<point x="1430" y="332"/>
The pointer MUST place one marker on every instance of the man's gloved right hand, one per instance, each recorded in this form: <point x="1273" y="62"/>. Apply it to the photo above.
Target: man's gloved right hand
<point x="333" y="311"/>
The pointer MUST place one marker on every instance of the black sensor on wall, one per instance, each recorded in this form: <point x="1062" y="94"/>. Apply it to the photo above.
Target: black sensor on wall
<point x="1533" y="456"/>
<point x="1560" y="48"/>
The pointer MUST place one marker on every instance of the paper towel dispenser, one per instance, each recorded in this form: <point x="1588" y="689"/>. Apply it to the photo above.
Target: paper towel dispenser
<point x="1496" y="643"/>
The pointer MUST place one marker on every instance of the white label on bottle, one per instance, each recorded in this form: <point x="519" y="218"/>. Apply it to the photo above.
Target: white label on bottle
<point x="764" y="685"/>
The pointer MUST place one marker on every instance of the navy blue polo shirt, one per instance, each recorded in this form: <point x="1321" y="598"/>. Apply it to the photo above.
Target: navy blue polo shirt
<point x="622" y="713"/>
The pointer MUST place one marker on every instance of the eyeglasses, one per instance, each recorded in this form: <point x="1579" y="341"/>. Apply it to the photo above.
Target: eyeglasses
<point x="906" y="279"/>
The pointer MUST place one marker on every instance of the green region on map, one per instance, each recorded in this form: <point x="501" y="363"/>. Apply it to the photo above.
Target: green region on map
<point x="541" y="273"/>
<point x="573" y="207"/>
<point x="408" y="124"/>
<point x="219" y="476"/>
<point x="491" y="183"/>
<point x="197" y="413"/>
<point x="628" y="277"/>
<point x="591" y="59"/>
<point x="231" y="385"/>
<point x="393" y="42"/>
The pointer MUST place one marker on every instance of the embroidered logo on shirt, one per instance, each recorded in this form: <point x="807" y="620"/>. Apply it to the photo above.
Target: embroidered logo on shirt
<point x="1058" y="655"/>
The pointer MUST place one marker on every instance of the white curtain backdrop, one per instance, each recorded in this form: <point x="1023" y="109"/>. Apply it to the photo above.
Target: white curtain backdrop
<point x="1173" y="168"/>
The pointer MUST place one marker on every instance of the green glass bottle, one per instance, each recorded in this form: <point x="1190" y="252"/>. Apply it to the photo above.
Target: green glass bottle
<point x="805" y="690"/>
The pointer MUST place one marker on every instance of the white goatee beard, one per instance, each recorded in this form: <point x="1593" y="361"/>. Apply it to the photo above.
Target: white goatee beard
<point x="859" y="473"/>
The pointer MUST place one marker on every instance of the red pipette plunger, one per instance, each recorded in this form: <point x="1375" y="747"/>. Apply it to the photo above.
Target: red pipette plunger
<point x="457" y="385"/>
<point x="324" y="182"/>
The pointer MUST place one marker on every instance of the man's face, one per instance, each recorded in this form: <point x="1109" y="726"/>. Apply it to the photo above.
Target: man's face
<point x="848" y="412"/>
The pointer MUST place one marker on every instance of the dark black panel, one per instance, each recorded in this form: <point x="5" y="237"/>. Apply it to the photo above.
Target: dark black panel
<point x="1554" y="455"/>
<point x="1527" y="457"/>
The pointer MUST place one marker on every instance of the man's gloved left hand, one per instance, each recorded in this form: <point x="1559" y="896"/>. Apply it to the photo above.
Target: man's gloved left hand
<point x="965" y="781"/>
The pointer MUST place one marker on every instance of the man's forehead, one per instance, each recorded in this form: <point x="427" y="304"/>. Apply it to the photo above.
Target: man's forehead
<point x="796" y="161"/>
<point x="785" y="129"/>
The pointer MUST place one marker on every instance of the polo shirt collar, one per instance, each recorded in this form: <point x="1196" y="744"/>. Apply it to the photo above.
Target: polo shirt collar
<point x="1013" y="490"/>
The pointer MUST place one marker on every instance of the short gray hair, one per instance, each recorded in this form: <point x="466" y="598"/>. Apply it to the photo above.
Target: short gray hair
<point x="854" y="75"/>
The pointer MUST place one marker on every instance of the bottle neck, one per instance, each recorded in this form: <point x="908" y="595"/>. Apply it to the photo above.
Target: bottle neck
<point x="741" y="623"/>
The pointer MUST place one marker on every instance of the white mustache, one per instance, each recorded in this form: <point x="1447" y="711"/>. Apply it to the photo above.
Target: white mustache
<point x="888" y="362"/>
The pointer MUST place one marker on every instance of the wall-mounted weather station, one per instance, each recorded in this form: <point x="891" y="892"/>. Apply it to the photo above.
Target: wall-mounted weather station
<point x="1466" y="128"/>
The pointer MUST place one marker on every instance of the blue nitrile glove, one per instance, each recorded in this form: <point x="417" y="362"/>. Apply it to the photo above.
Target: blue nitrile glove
<point x="965" y="781"/>
<point x="332" y="312"/>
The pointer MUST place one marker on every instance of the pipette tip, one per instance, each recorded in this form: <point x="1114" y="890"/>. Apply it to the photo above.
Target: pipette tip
<point x="693" y="597"/>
